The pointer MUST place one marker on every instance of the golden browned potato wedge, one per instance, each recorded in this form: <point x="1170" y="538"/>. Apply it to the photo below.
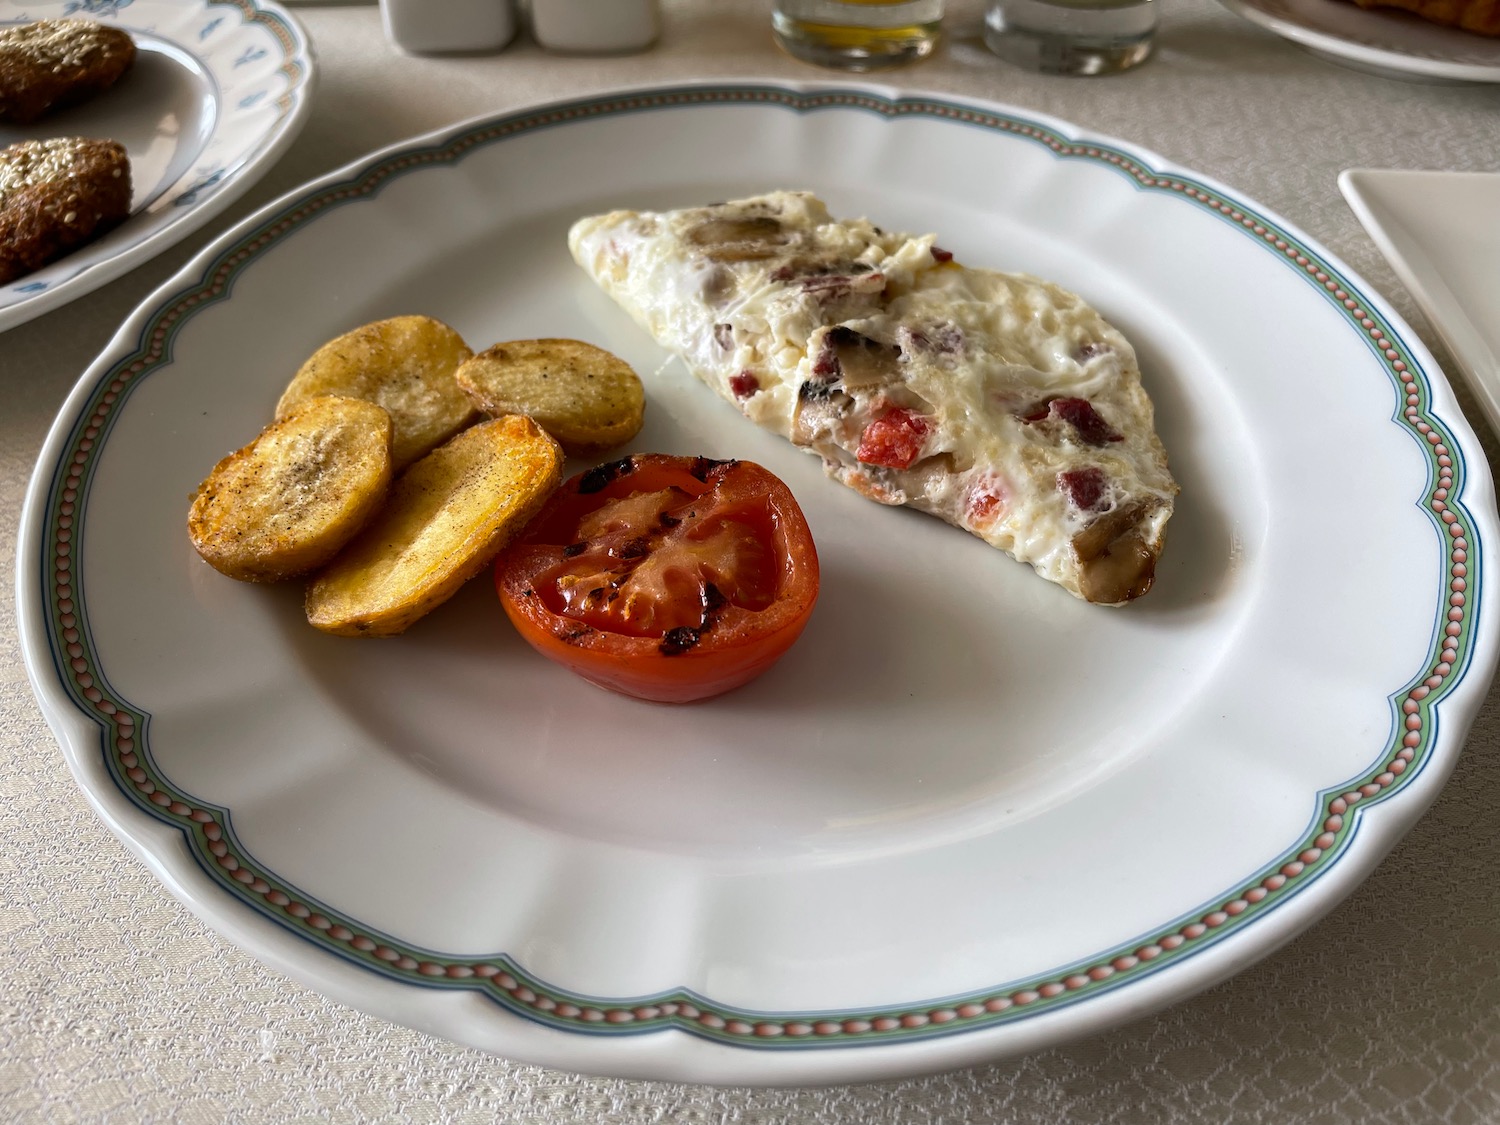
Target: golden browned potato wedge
<point x="285" y="504"/>
<point x="406" y="365"/>
<point x="447" y="518"/>
<point x="583" y="396"/>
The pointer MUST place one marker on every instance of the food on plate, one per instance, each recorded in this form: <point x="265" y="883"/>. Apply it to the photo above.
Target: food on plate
<point x="284" y="504"/>
<point x="445" y="519"/>
<point x="585" y="397"/>
<point x="56" y="195"/>
<point x="405" y="364"/>
<point x="998" y="402"/>
<point x="48" y="64"/>
<point x="666" y="578"/>
<point x="1479" y="16"/>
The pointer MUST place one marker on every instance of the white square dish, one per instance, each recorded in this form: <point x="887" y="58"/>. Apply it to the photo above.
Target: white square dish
<point x="1440" y="234"/>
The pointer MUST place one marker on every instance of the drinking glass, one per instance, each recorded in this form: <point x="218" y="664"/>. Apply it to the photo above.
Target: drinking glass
<point x="1071" y="36"/>
<point x="857" y="34"/>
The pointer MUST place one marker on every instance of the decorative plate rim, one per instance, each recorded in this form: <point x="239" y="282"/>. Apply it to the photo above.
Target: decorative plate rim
<point x="101" y="732"/>
<point x="200" y="193"/>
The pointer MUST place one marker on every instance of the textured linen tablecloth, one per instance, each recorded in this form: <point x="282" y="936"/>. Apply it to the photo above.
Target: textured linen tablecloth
<point x="117" y="1005"/>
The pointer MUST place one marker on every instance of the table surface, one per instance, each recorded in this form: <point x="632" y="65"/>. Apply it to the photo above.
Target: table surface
<point x="113" y="998"/>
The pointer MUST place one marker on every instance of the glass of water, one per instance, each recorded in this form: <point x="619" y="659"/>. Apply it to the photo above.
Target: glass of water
<point x="1071" y="36"/>
<point x="857" y="34"/>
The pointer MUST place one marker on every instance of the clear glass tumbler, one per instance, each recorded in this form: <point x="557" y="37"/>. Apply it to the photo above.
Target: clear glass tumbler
<point x="857" y="34"/>
<point x="1071" y="36"/>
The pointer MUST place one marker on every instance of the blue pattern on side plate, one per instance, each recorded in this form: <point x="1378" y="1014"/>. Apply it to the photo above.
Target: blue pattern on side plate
<point x="95" y="7"/>
<point x="208" y="178"/>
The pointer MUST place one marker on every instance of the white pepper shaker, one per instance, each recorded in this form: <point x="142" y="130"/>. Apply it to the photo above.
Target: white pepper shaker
<point x="427" y="27"/>
<point x="595" y="27"/>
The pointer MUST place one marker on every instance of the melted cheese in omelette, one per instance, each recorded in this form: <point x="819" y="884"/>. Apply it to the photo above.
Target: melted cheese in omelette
<point x="1002" y="404"/>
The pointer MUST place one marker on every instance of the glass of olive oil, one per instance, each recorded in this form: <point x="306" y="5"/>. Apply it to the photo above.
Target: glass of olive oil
<point x="857" y="34"/>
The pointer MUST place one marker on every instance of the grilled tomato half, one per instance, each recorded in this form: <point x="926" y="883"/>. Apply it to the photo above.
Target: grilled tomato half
<point x="665" y="578"/>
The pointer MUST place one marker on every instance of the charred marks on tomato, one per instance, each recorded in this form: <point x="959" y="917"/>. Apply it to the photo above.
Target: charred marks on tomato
<point x="677" y="641"/>
<point x="604" y="595"/>
<point x="714" y="604"/>
<point x="573" y="550"/>
<point x="684" y="638"/>
<point x="702" y="467"/>
<point x="601" y="476"/>
<point x="636" y="548"/>
<point x="713" y="601"/>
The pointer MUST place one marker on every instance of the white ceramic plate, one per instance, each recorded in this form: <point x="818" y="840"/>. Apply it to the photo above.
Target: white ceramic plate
<point x="1393" y="43"/>
<point x="967" y="816"/>
<point x="218" y="92"/>
<point x="1438" y="231"/>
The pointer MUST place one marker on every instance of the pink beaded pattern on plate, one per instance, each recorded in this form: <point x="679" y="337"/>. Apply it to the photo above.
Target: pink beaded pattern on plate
<point x="212" y="841"/>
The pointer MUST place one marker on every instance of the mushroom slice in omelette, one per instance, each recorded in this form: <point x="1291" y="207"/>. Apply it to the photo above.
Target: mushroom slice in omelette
<point x="1002" y="404"/>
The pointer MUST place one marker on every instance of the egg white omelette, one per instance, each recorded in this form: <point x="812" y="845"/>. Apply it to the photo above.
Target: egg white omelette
<point x="1000" y="403"/>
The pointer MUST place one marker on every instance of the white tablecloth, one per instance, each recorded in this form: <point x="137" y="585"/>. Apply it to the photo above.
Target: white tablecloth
<point x="117" y="1005"/>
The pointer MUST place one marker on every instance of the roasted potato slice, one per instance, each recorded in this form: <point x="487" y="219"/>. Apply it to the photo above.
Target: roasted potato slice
<point x="586" y="398"/>
<point x="446" y="519"/>
<point x="404" y="364"/>
<point x="284" y="504"/>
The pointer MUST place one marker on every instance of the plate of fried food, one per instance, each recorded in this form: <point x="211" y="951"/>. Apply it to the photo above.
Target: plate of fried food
<point x="873" y="602"/>
<point x="126" y="126"/>
<point x="1427" y="40"/>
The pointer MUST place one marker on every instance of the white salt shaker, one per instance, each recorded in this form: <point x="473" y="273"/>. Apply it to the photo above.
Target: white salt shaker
<point x="430" y="27"/>
<point x="595" y="27"/>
